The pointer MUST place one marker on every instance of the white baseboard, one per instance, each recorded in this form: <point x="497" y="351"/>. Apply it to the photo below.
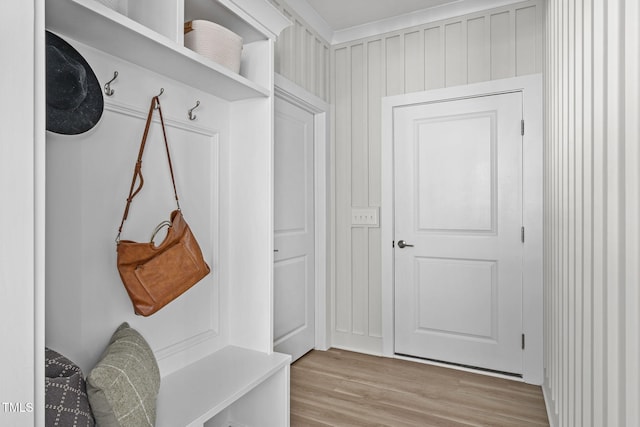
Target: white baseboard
<point x="548" y="403"/>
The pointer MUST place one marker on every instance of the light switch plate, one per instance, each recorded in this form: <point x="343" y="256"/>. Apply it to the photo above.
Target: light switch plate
<point x="365" y="217"/>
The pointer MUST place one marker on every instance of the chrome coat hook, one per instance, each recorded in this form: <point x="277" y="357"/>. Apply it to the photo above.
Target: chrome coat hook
<point x="107" y="86"/>
<point x="158" y="95"/>
<point x="191" y="115"/>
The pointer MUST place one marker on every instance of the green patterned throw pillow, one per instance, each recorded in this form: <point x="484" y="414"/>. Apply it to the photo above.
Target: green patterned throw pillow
<point x="124" y="385"/>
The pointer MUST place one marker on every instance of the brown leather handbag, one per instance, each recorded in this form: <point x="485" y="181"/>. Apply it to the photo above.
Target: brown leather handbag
<point x="156" y="275"/>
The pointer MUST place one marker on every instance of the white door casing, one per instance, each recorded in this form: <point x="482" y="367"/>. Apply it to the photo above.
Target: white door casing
<point x="458" y="201"/>
<point x="294" y="94"/>
<point x="294" y="269"/>
<point x="532" y="310"/>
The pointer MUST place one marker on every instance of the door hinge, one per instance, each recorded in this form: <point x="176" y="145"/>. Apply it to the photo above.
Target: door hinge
<point x="523" y="341"/>
<point x="522" y="234"/>
<point x="522" y="127"/>
<point x="393" y="243"/>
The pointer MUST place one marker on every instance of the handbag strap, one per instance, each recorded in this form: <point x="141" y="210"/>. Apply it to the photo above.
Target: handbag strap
<point x="137" y="171"/>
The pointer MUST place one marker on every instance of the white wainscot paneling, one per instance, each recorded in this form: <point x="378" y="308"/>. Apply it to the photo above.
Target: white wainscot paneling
<point x="592" y="199"/>
<point x="455" y="53"/>
<point x="482" y="46"/>
<point x="88" y="180"/>
<point x="302" y="54"/>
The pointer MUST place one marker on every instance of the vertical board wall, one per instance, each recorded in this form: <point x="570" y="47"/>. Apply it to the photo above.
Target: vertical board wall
<point x="302" y="55"/>
<point x="489" y="45"/>
<point x="592" y="212"/>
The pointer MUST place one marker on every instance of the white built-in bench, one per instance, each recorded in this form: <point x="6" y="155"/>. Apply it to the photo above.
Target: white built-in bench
<point x="232" y="387"/>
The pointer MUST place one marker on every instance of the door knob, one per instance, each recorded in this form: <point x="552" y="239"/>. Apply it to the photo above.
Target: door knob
<point x="403" y="244"/>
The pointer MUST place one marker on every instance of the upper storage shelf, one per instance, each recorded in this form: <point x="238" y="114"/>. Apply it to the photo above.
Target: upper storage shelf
<point x="150" y="35"/>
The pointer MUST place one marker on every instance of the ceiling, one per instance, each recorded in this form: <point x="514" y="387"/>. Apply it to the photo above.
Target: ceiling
<point x="341" y="14"/>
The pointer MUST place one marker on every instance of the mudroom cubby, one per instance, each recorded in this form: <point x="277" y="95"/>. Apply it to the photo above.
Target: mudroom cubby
<point x="216" y="340"/>
<point x="247" y="391"/>
<point x="149" y="33"/>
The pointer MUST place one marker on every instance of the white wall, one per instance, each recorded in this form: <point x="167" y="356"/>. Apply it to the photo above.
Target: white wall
<point x="592" y="213"/>
<point x="489" y="45"/>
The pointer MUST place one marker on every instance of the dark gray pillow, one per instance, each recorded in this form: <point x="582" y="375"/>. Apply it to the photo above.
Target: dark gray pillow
<point x="66" y="402"/>
<point x="124" y="385"/>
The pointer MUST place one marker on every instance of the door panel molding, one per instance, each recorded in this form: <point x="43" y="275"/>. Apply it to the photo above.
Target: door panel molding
<point x="484" y="329"/>
<point x="428" y="220"/>
<point x="531" y="87"/>
<point x="296" y="318"/>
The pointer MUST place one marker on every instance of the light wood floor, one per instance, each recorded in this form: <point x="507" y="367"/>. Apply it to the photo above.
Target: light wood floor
<point x="341" y="388"/>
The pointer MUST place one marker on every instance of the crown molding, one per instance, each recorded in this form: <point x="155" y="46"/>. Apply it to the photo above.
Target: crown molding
<point x="312" y="18"/>
<point x="420" y="17"/>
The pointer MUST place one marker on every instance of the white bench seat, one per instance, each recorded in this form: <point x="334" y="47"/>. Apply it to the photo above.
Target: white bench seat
<point x="233" y="386"/>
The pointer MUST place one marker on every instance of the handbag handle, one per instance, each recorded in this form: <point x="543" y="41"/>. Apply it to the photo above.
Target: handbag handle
<point x="137" y="171"/>
<point x="157" y="230"/>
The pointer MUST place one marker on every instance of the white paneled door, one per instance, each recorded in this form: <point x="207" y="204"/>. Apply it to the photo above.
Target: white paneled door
<point x="294" y="269"/>
<point x="458" y="236"/>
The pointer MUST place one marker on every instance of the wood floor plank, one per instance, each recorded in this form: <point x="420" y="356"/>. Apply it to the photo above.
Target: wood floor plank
<point x="341" y="388"/>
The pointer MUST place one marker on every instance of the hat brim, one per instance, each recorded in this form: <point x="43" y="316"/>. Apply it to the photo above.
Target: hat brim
<point x="86" y="115"/>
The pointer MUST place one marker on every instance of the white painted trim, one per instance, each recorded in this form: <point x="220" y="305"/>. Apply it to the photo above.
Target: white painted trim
<point x="22" y="184"/>
<point x="387" y="222"/>
<point x="432" y="14"/>
<point x="532" y="182"/>
<point x="548" y="403"/>
<point x="40" y="160"/>
<point x="311" y="17"/>
<point x="265" y="16"/>
<point x="289" y="91"/>
<point x="460" y="368"/>
<point x="531" y="86"/>
<point x="419" y="17"/>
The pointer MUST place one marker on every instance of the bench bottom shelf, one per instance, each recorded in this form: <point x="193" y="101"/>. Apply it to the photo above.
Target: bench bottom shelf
<point x="232" y="387"/>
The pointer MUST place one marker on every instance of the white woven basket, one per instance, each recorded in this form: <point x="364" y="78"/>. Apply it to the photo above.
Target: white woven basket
<point x="214" y="42"/>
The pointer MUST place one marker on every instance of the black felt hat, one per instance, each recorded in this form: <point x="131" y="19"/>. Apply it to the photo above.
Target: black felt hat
<point x="74" y="96"/>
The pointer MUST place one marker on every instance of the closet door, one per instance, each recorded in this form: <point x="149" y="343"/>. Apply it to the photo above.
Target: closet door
<point x="294" y="258"/>
<point x="458" y="223"/>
